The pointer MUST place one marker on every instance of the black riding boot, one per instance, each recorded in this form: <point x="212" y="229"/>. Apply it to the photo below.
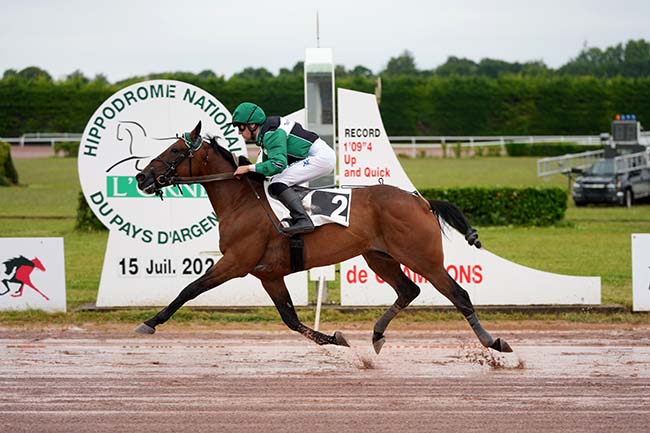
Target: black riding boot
<point x="300" y="221"/>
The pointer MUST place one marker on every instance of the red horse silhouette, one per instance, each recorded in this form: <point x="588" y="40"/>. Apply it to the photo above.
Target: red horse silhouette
<point x="23" y="268"/>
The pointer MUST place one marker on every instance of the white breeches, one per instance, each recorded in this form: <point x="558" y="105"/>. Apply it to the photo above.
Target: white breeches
<point x="320" y="161"/>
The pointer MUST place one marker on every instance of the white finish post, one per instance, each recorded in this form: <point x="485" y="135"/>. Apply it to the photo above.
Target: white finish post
<point x="319" y="298"/>
<point x="321" y="274"/>
<point x="319" y="101"/>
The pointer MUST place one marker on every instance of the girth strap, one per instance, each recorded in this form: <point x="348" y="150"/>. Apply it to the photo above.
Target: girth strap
<point x="296" y="245"/>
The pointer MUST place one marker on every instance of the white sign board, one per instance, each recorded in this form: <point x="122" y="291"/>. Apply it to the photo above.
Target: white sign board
<point x="33" y="274"/>
<point x="366" y="158"/>
<point x="155" y="248"/>
<point x="365" y="154"/>
<point x="641" y="272"/>
<point x="488" y="278"/>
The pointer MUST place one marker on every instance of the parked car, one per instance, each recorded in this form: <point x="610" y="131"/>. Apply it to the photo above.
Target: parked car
<point x="601" y="184"/>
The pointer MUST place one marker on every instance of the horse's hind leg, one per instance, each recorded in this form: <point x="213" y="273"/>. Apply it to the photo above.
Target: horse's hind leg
<point x="278" y="292"/>
<point x="460" y="298"/>
<point x="389" y="270"/>
<point x="4" y="282"/>
<point x="19" y="292"/>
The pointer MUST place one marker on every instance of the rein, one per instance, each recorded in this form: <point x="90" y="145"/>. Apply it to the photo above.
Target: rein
<point x="174" y="180"/>
<point x="200" y="179"/>
<point x="170" y="176"/>
<point x="266" y="211"/>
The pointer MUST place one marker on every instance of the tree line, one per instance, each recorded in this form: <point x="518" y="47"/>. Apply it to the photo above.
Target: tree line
<point x="459" y="97"/>
<point x="629" y="60"/>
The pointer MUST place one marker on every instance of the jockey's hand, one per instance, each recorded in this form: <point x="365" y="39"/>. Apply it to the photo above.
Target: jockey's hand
<point x="241" y="170"/>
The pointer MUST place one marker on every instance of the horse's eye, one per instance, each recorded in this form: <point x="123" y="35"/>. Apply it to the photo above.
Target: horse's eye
<point x="174" y="150"/>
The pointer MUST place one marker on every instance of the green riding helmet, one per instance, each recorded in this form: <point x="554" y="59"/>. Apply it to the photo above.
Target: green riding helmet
<point x="246" y="113"/>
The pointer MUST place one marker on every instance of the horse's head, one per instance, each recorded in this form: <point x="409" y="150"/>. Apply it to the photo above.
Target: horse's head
<point x="37" y="264"/>
<point x="178" y="160"/>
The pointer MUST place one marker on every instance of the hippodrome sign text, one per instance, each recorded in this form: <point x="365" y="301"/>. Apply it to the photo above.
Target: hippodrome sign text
<point x="124" y="134"/>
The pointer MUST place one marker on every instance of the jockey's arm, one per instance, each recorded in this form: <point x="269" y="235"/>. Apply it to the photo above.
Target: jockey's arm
<point x="275" y="160"/>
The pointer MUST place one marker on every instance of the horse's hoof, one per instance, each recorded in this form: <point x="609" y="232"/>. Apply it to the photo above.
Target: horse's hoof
<point x="378" y="344"/>
<point x="501" y="346"/>
<point x="340" y="339"/>
<point x="145" y="329"/>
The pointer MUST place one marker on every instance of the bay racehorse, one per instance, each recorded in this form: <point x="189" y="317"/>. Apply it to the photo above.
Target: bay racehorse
<point x="388" y="227"/>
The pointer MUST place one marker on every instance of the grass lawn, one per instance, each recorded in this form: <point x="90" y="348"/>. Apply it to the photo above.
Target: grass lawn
<point x="483" y="171"/>
<point x="48" y="188"/>
<point x="591" y="241"/>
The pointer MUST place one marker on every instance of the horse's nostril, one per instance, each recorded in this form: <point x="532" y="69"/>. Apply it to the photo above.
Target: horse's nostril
<point x="139" y="177"/>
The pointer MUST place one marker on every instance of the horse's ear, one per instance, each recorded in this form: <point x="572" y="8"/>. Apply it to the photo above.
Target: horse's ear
<point x="196" y="132"/>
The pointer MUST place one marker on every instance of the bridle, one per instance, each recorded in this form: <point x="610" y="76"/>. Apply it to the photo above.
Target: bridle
<point x="170" y="177"/>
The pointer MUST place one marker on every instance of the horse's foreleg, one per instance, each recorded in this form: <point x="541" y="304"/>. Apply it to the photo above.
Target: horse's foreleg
<point x="278" y="292"/>
<point x="221" y="272"/>
<point x="38" y="291"/>
<point x="389" y="270"/>
<point x="460" y="298"/>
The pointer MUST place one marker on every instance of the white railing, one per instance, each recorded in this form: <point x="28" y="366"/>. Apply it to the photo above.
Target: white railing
<point x="409" y="145"/>
<point x="43" y="137"/>
<point x="398" y="142"/>
<point x="479" y="140"/>
<point x="565" y="163"/>
<point x="423" y="143"/>
<point x="631" y="162"/>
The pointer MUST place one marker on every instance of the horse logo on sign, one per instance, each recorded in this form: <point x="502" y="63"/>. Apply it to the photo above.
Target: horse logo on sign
<point x="19" y="270"/>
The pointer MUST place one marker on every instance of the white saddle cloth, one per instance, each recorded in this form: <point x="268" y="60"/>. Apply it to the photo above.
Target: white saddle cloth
<point x="324" y="206"/>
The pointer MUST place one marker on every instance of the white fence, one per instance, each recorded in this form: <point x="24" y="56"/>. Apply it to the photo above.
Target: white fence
<point x="631" y="162"/>
<point x="410" y="145"/>
<point x="566" y="163"/>
<point x="43" y="138"/>
<point x="414" y="145"/>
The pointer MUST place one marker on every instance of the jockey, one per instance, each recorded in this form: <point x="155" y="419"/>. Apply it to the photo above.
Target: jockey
<point x="291" y="155"/>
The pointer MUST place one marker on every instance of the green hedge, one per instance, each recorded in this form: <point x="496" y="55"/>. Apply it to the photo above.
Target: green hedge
<point x="8" y="173"/>
<point x="86" y="219"/>
<point x="505" y="206"/>
<point x="483" y="206"/>
<point x="508" y="105"/>
<point x="547" y="149"/>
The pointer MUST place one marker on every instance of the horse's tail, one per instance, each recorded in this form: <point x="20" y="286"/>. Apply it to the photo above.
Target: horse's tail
<point x="453" y="216"/>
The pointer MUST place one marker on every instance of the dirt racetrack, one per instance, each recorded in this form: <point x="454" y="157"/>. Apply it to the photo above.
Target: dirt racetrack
<point x="586" y="379"/>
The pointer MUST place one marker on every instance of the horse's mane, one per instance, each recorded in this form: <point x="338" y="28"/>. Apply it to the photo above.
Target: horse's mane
<point x="16" y="262"/>
<point x="230" y="157"/>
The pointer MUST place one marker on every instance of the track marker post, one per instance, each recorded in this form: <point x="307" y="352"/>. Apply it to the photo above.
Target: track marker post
<point x="321" y="274"/>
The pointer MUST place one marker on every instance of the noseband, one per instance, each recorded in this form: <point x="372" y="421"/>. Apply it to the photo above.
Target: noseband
<point x="170" y="177"/>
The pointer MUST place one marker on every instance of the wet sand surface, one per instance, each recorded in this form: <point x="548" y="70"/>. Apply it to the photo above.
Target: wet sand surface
<point x="557" y="380"/>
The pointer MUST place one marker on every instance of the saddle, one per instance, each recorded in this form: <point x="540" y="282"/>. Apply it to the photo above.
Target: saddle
<point x="324" y="206"/>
